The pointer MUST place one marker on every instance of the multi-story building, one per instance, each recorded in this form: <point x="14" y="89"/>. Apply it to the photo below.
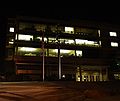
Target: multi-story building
<point x="47" y="49"/>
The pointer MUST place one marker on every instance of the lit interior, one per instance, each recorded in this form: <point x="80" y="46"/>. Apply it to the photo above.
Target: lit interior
<point x="40" y="38"/>
<point x="69" y="29"/>
<point x="64" y="51"/>
<point x="81" y="41"/>
<point x="69" y="42"/>
<point x="113" y="33"/>
<point x="10" y="42"/>
<point x="11" y="29"/>
<point x="25" y="37"/>
<point x="114" y="44"/>
<point x="28" y="49"/>
<point x="78" y="53"/>
<point x="99" y="32"/>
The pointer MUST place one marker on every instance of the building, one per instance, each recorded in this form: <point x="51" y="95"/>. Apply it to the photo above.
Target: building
<point x="47" y="49"/>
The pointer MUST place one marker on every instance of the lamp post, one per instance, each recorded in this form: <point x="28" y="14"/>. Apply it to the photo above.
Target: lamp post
<point x="43" y="57"/>
<point x="59" y="58"/>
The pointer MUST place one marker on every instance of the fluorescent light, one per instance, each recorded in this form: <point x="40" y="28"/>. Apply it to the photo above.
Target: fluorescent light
<point x="11" y="29"/>
<point x="28" y="49"/>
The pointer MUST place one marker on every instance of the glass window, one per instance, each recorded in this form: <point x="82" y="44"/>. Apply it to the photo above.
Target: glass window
<point x="78" y="53"/>
<point x="67" y="41"/>
<point x="11" y="29"/>
<point x="24" y="37"/>
<point x="10" y="40"/>
<point x="53" y="52"/>
<point x="29" y="51"/>
<point x="40" y="38"/>
<point x="86" y="42"/>
<point x="69" y="30"/>
<point x="113" y="33"/>
<point x="52" y="40"/>
<point x="99" y="33"/>
<point x="114" y="44"/>
<point x="64" y="52"/>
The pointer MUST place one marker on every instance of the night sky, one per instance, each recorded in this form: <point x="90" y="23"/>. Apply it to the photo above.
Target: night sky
<point x="96" y="13"/>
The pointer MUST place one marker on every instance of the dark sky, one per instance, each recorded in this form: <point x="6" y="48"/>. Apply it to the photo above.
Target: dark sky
<point x="107" y="14"/>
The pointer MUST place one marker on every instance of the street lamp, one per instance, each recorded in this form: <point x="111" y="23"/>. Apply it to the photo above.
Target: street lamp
<point x="43" y="57"/>
<point x="59" y="57"/>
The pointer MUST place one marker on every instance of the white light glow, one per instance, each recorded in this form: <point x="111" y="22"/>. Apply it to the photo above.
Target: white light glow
<point x="55" y="50"/>
<point x="11" y="29"/>
<point x="63" y="76"/>
<point x="81" y="41"/>
<point x="10" y="42"/>
<point x="45" y="39"/>
<point x="113" y="33"/>
<point x="64" y="51"/>
<point x="25" y="37"/>
<point x="114" y="44"/>
<point x="69" y="29"/>
<point x="99" y="32"/>
<point x="28" y="49"/>
<point x="70" y="41"/>
<point x="78" y="53"/>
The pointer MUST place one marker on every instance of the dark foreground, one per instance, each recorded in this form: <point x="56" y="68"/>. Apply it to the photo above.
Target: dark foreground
<point x="59" y="91"/>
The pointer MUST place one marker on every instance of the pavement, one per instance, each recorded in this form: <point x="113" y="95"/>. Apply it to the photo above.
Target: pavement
<point x="58" y="91"/>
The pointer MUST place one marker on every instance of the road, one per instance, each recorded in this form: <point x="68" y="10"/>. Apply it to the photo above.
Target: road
<point x="50" y="91"/>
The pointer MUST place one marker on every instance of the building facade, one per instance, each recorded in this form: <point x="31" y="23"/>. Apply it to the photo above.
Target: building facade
<point x="47" y="49"/>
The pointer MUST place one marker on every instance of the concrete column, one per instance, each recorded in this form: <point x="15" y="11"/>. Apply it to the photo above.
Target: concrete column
<point x="59" y="62"/>
<point x="101" y="78"/>
<point x="94" y="77"/>
<point x="89" y="78"/>
<point x="107" y="74"/>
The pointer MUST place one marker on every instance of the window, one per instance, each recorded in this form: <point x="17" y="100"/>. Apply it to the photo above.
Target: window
<point x="40" y="38"/>
<point x="113" y="33"/>
<point x="29" y="51"/>
<point x="78" y="53"/>
<point x="114" y="44"/>
<point x="69" y="30"/>
<point x="99" y="33"/>
<point x="53" y="52"/>
<point x="65" y="52"/>
<point x="24" y="37"/>
<point x="86" y="42"/>
<point x="52" y="40"/>
<point x="11" y="29"/>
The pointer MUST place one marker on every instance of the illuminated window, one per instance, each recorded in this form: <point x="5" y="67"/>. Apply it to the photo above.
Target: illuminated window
<point x="29" y="51"/>
<point x="114" y="44"/>
<point x="11" y="41"/>
<point x="78" y="53"/>
<point x="69" y="41"/>
<point x="11" y="29"/>
<point x="52" y="40"/>
<point x="53" y="52"/>
<point x="99" y="33"/>
<point x="69" y="30"/>
<point x="113" y="33"/>
<point x="25" y="37"/>
<point x="40" y="38"/>
<point x="86" y="42"/>
<point x="64" y="52"/>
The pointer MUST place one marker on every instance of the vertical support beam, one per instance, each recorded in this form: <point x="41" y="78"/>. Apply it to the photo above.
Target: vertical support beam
<point x="107" y="74"/>
<point x="43" y="57"/>
<point x="101" y="78"/>
<point x="59" y="62"/>
<point x="80" y="75"/>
